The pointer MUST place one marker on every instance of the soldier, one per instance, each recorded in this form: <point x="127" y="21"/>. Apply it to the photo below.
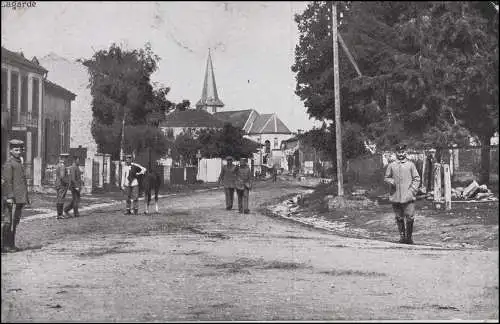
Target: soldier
<point x="15" y="191"/>
<point x="62" y="184"/>
<point x="75" y="185"/>
<point x="228" y="179"/>
<point x="243" y="185"/>
<point x="403" y="177"/>
<point x="130" y="183"/>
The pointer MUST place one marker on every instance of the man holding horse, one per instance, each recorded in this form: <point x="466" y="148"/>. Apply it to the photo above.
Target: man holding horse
<point x="130" y="183"/>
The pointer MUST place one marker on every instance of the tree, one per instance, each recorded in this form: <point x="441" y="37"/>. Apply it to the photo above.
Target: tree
<point x="121" y="90"/>
<point x="214" y="143"/>
<point x="421" y="62"/>
<point x="184" y="105"/>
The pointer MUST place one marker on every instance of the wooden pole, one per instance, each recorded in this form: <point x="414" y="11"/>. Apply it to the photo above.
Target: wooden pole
<point x="447" y="186"/>
<point x="437" y="183"/>
<point x="336" y="86"/>
<point x="123" y="136"/>
<point x="423" y="184"/>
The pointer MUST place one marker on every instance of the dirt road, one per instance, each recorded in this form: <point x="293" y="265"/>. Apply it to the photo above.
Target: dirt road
<point x="197" y="261"/>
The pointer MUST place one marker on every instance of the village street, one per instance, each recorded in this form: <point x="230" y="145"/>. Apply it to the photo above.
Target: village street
<point x="197" y="261"/>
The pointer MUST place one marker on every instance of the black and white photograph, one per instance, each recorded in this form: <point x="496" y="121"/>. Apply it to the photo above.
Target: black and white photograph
<point x="249" y="161"/>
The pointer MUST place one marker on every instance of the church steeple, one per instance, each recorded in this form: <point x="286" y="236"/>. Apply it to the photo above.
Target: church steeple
<point x="209" y="96"/>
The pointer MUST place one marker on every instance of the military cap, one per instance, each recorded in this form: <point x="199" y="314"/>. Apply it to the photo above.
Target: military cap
<point x="128" y="156"/>
<point x="16" y="143"/>
<point x="64" y="155"/>
<point x="229" y="158"/>
<point x="401" y="147"/>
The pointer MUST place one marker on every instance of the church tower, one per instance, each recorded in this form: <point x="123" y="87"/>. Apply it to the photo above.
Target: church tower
<point x="209" y="99"/>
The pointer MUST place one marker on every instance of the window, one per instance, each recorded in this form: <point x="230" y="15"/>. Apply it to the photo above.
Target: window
<point x="24" y="94"/>
<point x="14" y="91"/>
<point x="61" y="136"/>
<point x="4" y="90"/>
<point x="35" y="98"/>
<point x="268" y="146"/>
<point x="276" y="144"/>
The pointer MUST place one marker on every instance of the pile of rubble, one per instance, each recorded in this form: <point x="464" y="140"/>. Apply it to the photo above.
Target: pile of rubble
<point x="474" y="191"/>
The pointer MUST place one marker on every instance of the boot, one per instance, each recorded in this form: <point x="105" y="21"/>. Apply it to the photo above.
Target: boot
<point x="401" y="229"/>
<point x="136" y="211"/>
<point x="4" y="237"/>
<point x="409" y="231"/>
<point x="127" y="212"/>
<point x="60" y="208"/>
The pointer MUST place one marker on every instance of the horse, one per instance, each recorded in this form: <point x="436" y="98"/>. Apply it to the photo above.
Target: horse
<point x="151" y="181"/>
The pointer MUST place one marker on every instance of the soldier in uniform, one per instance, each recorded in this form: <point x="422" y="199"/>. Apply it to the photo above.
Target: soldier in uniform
<point x="75" y="185"/>
<point x="243" y="185"/>
<point x="130" y="183"/>
<point x="228" y="178"/>
<point x="15" y="193"/>
<point x="403" y="177"/>
<point x="62" y="184"/>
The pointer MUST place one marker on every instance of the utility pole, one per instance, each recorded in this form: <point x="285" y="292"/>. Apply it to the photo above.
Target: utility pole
<point x="123" y="136"/>
<point x="336" y="86"/>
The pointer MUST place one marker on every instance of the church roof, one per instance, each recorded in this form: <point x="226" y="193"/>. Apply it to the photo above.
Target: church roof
<point x="253" y="123"/>
<point x="269" y="124"/>
<point x="192" y="118"/>
<point x="237" y="118"/>
<point x="209" y="96"/>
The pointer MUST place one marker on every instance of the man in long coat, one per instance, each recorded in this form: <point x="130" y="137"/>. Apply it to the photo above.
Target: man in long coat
<point x="15" y="193"/>
<point x="75" y="185"/>
<point x="227" y="177"/>
<point x="243" y="185"/>
<point x="62" y="184"/>
<point x="403" y="177"/>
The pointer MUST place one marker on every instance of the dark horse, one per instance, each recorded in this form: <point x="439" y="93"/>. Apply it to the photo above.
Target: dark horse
<point x="151" y="181"/>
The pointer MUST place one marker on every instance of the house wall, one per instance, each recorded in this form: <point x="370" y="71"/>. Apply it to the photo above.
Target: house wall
<point x="274" y="139"/>
<point x="57" y="125"/>
<point x="22" y="111"/>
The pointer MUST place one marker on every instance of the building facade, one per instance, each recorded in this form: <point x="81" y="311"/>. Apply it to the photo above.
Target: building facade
<point x="22" y="105"/>
<point x="35" y="111"/>
<point x="265" y="129"/>
<point x="57" y="121"/>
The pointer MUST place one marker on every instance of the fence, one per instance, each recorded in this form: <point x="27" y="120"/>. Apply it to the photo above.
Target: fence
<point x="465" y="164"/>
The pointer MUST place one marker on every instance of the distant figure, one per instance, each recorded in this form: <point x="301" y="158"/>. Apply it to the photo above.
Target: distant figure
<point x="130" y="183"/>
<point x="227" y="177"/>
<point x="403" y="177"/>
<point x="15" y="193"/>
<point x="75" y="186"/>
<point x="275" y="171"/>
<point x="62" y="184"/>
<point x="243" y="185"/>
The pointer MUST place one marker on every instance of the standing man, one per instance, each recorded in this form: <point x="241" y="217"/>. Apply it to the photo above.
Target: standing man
<point x="75" y="186"/>
<point x="130" y="183"/>
<point x="62" y="183"/>
<point x="15" y="190"/>
<point x="403" y="177"/>
<point x="228" y="178"/>
<point x="243" y="185"/>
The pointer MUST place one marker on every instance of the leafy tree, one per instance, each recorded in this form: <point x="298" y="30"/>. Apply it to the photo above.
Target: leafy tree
<point x="421" y="65"/>
<point x="121" y="90"/>
<point x="214" y="143"/>
<point x="184" y="105"/>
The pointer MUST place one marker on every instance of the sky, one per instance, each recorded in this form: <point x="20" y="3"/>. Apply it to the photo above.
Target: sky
<point x="252" y="45"/>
